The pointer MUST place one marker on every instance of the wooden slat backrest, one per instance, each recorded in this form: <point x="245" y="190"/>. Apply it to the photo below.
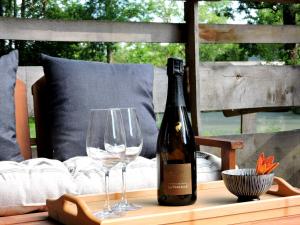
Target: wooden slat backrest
<point x="21" y="112"/>
<point x="40" y="100"/>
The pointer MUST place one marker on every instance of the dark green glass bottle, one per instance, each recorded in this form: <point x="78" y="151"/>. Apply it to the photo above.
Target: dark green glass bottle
<point x="176" y="149"/>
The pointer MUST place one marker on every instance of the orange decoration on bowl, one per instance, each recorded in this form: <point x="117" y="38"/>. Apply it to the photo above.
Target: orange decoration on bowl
<point x="265" y="165"/>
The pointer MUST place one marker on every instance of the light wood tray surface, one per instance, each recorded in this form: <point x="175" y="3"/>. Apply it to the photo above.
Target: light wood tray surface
<point x="215" y="205"/>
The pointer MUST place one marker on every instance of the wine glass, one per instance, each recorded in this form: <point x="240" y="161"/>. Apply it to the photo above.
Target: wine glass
<point x="134" y="144"/>
<point x="113" y="151"/>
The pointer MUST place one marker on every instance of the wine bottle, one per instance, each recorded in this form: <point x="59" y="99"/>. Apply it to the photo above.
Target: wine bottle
<point x="176" y="149"/>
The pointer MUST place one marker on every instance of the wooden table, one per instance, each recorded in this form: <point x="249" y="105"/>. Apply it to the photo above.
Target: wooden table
<point x="215" y="205"/>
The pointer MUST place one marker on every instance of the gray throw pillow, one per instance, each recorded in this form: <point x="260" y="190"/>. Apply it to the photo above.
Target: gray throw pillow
<point x="9" y="149"/>
<point x="76" y="86"/>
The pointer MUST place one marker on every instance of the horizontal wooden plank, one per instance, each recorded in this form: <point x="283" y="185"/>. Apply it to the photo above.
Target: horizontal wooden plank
<point x="242" y="33"/>
<point x="103" y="31"/>
<point x="89" y="30"/>
<point x="223" y="86"/>
<point x="227" y="87"/>
<point x="237" y="87"/>
<point x="219" y="142"/>
<point x="284" y="145"/>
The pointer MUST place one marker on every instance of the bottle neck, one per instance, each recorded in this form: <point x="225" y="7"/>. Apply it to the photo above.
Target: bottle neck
<point x="175" y="91"/>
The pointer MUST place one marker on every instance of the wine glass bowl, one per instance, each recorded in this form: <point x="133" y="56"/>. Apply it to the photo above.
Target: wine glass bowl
<point x="134" y="139"/>
<point x="114" y="137"/>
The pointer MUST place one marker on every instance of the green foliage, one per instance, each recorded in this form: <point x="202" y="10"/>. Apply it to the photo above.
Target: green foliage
<point x="214" y="12"/>
<point x="155" y="54"/>
<point x="32" y="127"/>
<point x="221" y="52"/>
<point x="165" y="11"/>
<point x="268" y="13"/>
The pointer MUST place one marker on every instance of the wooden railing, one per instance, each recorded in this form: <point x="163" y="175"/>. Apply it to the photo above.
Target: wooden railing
<point x="104" y="31"/>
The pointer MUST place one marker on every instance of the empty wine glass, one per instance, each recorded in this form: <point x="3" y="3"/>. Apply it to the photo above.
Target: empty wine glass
<point x="134" y="144"/>
<point x="109" y="153"/>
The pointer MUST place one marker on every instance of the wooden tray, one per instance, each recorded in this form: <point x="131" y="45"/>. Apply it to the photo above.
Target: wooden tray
<point x="215" y="205"/>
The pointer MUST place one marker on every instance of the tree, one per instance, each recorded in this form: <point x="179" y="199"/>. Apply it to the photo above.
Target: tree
<point x="154" y="53"/>
<point x="117" y="10"/>
<point x="217" y="13"/>
<point x="271" y="13"/>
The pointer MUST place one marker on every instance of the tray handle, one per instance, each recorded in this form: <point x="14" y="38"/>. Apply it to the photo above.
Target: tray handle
<point x="61" y="210"/>
<point x="284" y="188"/>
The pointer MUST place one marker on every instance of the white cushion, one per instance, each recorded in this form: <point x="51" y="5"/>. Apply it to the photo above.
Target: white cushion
<point x="141" y="173"/>
<point x="208" y="168"/>
<point x="25" y="186"/>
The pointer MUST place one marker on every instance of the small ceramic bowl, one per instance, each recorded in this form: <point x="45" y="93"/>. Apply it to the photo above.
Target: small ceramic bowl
<point x="246" y="184"/>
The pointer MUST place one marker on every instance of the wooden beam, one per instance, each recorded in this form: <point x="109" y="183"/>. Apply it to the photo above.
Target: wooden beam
<point x="238" y="87"/>
<point x="219" y="142"/>
<point x="248" y="123"/>
<point x="192" y="60"/>
<point x="102" y="31"/>
<point x="234" y="87"/>
<point x="245" y="111"/>
<point x="88" y="30"/>
<point x="234" y="33"/>
<point x="269" y="86"/>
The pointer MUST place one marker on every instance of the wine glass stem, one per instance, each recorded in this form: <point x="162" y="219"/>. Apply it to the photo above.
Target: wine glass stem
<point x="107" y="205"/>
<point x="124" y="199"/>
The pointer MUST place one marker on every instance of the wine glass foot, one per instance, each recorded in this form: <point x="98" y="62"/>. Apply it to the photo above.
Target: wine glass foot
<point x="125" y="206"/>
<point x="108" y="214"/>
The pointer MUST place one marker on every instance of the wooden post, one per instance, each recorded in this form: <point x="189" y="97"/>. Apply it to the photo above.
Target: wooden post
<point x="192" y="59"/>
<point x="248" y="123"/>
<point x="228" y="157"/>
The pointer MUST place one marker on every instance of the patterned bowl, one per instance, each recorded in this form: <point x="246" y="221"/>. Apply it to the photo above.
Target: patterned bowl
<point x="246" y="184"/>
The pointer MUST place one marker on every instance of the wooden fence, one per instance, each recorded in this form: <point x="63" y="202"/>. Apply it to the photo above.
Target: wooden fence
<point x="212" y="87"/>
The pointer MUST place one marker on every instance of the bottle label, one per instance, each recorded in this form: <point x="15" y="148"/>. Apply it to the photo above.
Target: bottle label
<point x="177" y="179"/>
